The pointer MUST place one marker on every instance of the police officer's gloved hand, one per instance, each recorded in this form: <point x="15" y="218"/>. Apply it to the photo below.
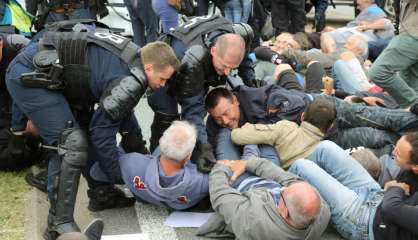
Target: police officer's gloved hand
<point x="205" y="159"/>
<point x="16" y="145"/>
<point x="133" y="142"/>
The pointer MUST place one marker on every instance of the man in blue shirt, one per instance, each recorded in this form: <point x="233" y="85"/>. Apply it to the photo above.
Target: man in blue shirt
<point x="166" y="178"/>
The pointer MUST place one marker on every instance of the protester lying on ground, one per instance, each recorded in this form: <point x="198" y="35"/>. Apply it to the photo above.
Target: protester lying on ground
<point x="268" y="204"/>
<point x="167" y="178"/>
<point x="360" y="208"/>
<point x="349" y="59"/>
<point x="352" y="124"/>
<point x="372" y="24"/>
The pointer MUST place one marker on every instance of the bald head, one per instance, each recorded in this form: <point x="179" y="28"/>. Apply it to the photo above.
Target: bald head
<point x="227" y="53"/>
<point x="231" y="45"/>
<point x="303" y="203"/>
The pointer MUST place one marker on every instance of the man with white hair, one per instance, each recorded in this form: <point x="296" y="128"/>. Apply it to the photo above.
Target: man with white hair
<point x="166" y="178"/>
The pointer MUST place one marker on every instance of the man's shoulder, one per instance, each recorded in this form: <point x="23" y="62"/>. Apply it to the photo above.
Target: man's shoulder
<point x="135" y="162"/>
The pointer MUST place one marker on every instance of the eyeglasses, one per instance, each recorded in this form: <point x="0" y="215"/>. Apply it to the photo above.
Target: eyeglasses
<point x="285" y="205"/>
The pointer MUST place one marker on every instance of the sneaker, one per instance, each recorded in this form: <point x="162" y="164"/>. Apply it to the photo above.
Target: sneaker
<point x="313" y="77"/>
<point x="38" y="181"/>
<point x="108" y="197"/>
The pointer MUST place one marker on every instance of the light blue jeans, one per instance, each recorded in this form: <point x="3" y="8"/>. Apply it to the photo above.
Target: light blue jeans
<point x="226" y="149"/>
<point x="344" y="79"/>
<point x="237" y="11"/>
<point x="352" y="194"/>
<point x="82" y="13"/>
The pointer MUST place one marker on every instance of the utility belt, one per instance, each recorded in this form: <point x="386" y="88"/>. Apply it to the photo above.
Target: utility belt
<point x="68" y="7"/>
<point x="73" y="80"/>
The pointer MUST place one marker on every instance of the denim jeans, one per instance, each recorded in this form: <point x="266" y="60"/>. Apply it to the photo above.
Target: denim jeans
<point x="167" y="14"/>
<point x="396" y="69"/>
<point x="144" y="21"/>
<point x="344" y="80"/>
<point x="82" y="13"/>
<point x="349" y="190"/>
<point x="374" y="127"/>
<point x="226" y="149"/>
<point x="237" y="11"/>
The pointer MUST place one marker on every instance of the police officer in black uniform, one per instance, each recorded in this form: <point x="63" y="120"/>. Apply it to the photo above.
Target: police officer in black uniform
<point x="209" y="48"/>
<point x="16" y="152"/>
<point x="79" y="85"/>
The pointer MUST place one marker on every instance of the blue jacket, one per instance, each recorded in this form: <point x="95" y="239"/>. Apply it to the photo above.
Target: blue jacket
<point x="148" y="182"/>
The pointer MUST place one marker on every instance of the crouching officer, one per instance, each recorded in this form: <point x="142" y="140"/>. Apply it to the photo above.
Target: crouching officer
<point x="79" y="89"/>
<point x="16" y="151"/>
<point x="209" y="48"/>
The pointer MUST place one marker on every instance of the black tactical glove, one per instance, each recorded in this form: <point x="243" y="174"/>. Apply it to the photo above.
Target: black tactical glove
<point x="205" y="158"/>
<point x="133" y="142"/>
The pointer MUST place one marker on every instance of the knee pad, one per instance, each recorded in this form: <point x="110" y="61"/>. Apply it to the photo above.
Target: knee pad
<point x="73" y="146"/>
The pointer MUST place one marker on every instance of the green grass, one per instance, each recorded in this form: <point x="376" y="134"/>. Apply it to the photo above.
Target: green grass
<point x="12" y="205"/>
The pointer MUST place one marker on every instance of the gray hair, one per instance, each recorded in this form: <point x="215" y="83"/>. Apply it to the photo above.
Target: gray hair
<point x="363" y="45"/>
<point x="300" y="215"/>
<point x="178" y="140"/>
<point x="368" y="160"/>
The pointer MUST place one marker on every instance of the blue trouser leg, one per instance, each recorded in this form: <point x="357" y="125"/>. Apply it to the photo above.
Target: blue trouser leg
<point x="346" y="186"/>
<point x="343" y="78"/>
<point x="363" y="136"/>
<point x="82" y="13"/>
<point x="48" y="110"/>
<point x="374" y="127"/>
<point x="226" y="149"/>
<point x="193" y="110"/>
<point x="233" y="11"/>
<point x="359" y="115"/>
<point x="138" y="27"/>
<point x="144" y="21"/>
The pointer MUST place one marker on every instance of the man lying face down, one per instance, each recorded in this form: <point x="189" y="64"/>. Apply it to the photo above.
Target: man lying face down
<point x="166" y="178"/>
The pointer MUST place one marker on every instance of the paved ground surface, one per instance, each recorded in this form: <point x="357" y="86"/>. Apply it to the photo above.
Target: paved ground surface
<point x="144" y="219"/>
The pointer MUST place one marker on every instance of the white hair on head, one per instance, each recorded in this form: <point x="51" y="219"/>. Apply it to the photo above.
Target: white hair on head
<point x="178" y="140"/>
<point x="363" y="45"/>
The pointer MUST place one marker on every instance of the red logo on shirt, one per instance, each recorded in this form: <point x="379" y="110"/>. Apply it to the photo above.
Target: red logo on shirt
<point x="183" y="199"/>
<point x="138" y="184"/>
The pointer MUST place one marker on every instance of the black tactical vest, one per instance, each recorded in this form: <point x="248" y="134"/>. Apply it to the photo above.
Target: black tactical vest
<point x="71" y="49"/>
<point x="196" y="31"/>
